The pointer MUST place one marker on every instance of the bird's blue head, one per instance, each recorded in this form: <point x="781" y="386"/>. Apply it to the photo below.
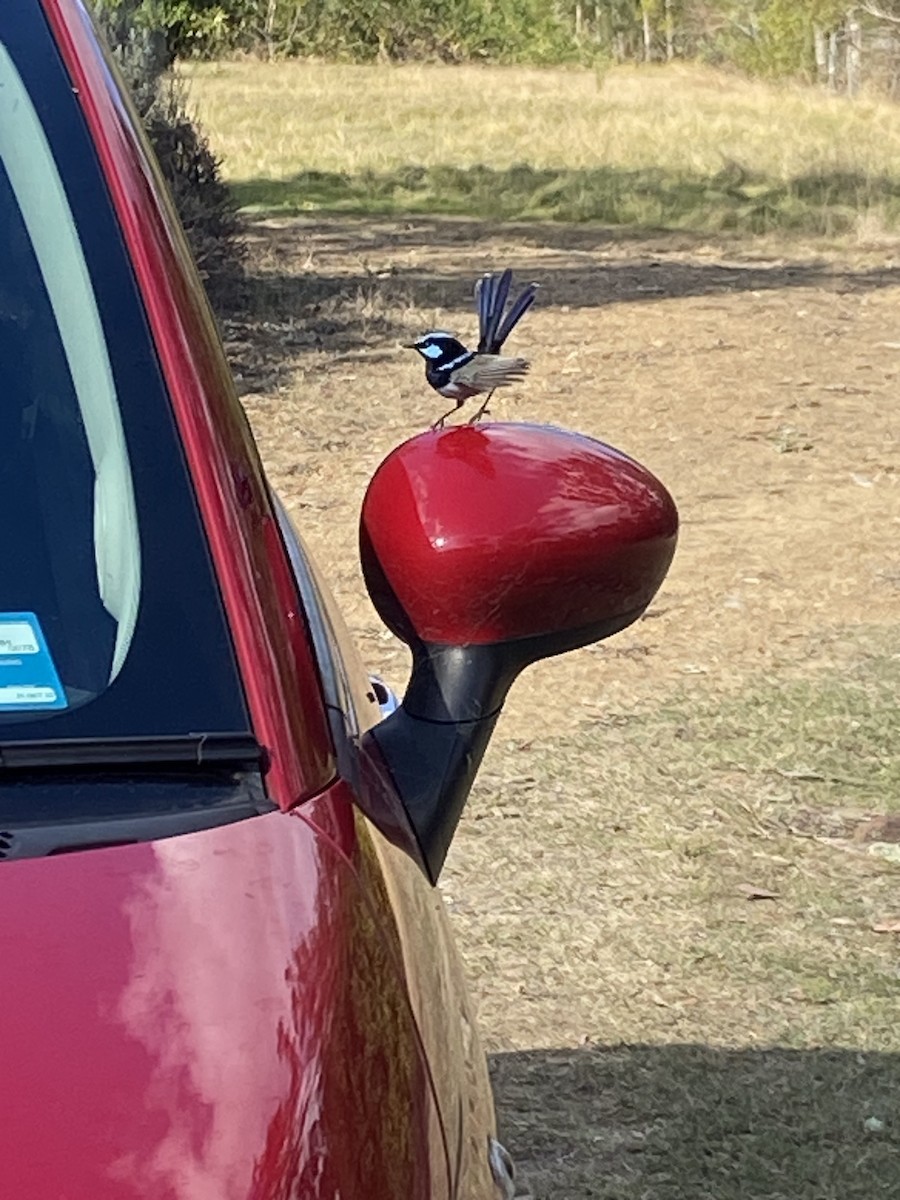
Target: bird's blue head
<point x="439" y="348"/>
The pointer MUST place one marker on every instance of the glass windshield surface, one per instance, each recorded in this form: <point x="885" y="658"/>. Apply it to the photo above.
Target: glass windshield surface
<point x="110" y="620"/>
<point x="67" y="503"/>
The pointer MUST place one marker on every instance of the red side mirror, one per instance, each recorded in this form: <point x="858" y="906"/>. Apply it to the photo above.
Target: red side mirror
<point x="486" y="533"/>
<point x="486" y="548"/>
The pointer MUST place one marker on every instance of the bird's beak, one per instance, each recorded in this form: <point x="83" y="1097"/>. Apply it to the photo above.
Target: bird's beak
<point x="409" y="345"/>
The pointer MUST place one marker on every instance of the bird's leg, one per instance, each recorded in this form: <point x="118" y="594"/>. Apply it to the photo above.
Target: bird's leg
<point x="484" y="408"/>
<point x="439" y="423"/>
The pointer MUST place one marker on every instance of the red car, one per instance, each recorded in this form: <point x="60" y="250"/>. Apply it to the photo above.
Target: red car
<point x="226" y="973"/>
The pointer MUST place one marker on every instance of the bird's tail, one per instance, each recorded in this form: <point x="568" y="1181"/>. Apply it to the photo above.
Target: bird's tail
<point x="491" y="293"/>
<point x="518" y="309"/>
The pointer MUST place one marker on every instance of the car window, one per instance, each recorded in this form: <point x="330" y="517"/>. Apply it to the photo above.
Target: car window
<point x="111" y="623"/>
<point x="69" y="505"/>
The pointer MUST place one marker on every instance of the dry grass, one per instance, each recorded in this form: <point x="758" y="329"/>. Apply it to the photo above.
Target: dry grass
<point x="676" y="147"/>
<point x="656" y="1032"/>
<point x="702" y="934"/>
<point x="270" y="120"/>
<point x="676" y="883"/>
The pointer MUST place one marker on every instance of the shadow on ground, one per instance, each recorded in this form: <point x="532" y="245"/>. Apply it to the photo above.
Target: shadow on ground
<point x="688" y="1122"/>
<point x="338" y="284"/>
<point x="818" y="203"/>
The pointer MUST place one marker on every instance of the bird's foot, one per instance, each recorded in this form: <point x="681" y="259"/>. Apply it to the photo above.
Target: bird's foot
<point x="484" y="411"/>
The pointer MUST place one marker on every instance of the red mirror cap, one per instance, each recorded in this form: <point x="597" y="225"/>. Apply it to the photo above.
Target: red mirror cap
<point x="485" y="533"/>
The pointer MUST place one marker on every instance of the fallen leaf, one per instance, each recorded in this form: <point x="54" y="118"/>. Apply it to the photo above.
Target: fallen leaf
<point x="886" y="850"/>
<point x="891" y="925"/>
<point x="755" y="893"/>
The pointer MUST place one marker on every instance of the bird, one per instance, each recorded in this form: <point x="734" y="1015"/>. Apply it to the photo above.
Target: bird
<point x="459" y="373"/>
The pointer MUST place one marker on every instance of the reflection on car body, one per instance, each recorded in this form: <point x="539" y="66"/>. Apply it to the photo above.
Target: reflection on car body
<point x="226" y="971"/>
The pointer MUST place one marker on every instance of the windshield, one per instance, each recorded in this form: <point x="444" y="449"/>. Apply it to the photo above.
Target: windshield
<point x="110" y="620"/>
<point x="75" y="543"/>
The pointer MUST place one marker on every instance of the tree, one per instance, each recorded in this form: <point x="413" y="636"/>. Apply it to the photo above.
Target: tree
<point x="188" y="165"/>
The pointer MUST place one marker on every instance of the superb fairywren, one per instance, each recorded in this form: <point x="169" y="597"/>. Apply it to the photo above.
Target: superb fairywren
<point x="458" y="373"/>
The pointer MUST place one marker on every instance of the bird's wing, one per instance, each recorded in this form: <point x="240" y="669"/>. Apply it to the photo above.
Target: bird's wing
<point x="487" y="371"/>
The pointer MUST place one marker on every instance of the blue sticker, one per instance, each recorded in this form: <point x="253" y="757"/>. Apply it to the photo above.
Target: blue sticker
<point x="28" y="678"/>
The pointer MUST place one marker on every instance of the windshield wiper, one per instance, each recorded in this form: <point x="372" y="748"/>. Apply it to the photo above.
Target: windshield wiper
<point x="194" y="749"/>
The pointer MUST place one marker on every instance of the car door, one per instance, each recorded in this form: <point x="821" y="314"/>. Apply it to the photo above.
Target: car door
<point x="353" y="1007"/>
<point x="409" y="910"/>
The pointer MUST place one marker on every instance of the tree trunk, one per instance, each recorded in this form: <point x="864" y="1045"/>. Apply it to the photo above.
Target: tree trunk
<point x="820" y="44"/>
<point x="270" y="28"/>
<point x="670" y="30"/>
<point x="579" y="20"/>
<point x="854" y="54"/>
<point x="832" y="60"/>
<point x="648" y="39"/>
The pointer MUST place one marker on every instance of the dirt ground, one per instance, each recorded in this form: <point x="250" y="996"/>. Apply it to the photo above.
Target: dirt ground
<point x="761" y="388"/>
<point x="759" y="382"/>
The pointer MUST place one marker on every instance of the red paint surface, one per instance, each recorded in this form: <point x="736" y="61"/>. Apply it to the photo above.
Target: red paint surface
<point x="225" y="1016"/>
<point x="487" y="533"/>
<point x="258" y="590"/>
<point x="213" y="1017"/>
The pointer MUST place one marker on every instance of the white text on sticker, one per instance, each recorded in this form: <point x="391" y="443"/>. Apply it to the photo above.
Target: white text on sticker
<point x="17" y="637"/>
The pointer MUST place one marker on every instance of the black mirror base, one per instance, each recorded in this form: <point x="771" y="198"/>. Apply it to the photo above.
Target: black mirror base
<point x="433" y="765"/>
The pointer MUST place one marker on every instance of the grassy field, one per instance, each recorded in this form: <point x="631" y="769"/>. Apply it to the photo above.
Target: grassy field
<point x="676" y="885"/>
<point x="675" y="148"/>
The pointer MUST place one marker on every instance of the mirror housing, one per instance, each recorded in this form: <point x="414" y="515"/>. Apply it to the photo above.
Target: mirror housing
<point x="485" y="548"/>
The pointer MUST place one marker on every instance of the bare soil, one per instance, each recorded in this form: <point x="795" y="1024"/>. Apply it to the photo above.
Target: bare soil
<point x="761" y="388"/>
<point x="597" y="878"/>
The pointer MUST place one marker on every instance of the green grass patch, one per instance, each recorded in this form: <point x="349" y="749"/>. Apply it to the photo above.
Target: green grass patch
<point x="706" y="854"/>
<point x="705" y="894"/>
<point x="829" y="736"/>
<point x="679" y="148"/>
<point x="731" y="200"/>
